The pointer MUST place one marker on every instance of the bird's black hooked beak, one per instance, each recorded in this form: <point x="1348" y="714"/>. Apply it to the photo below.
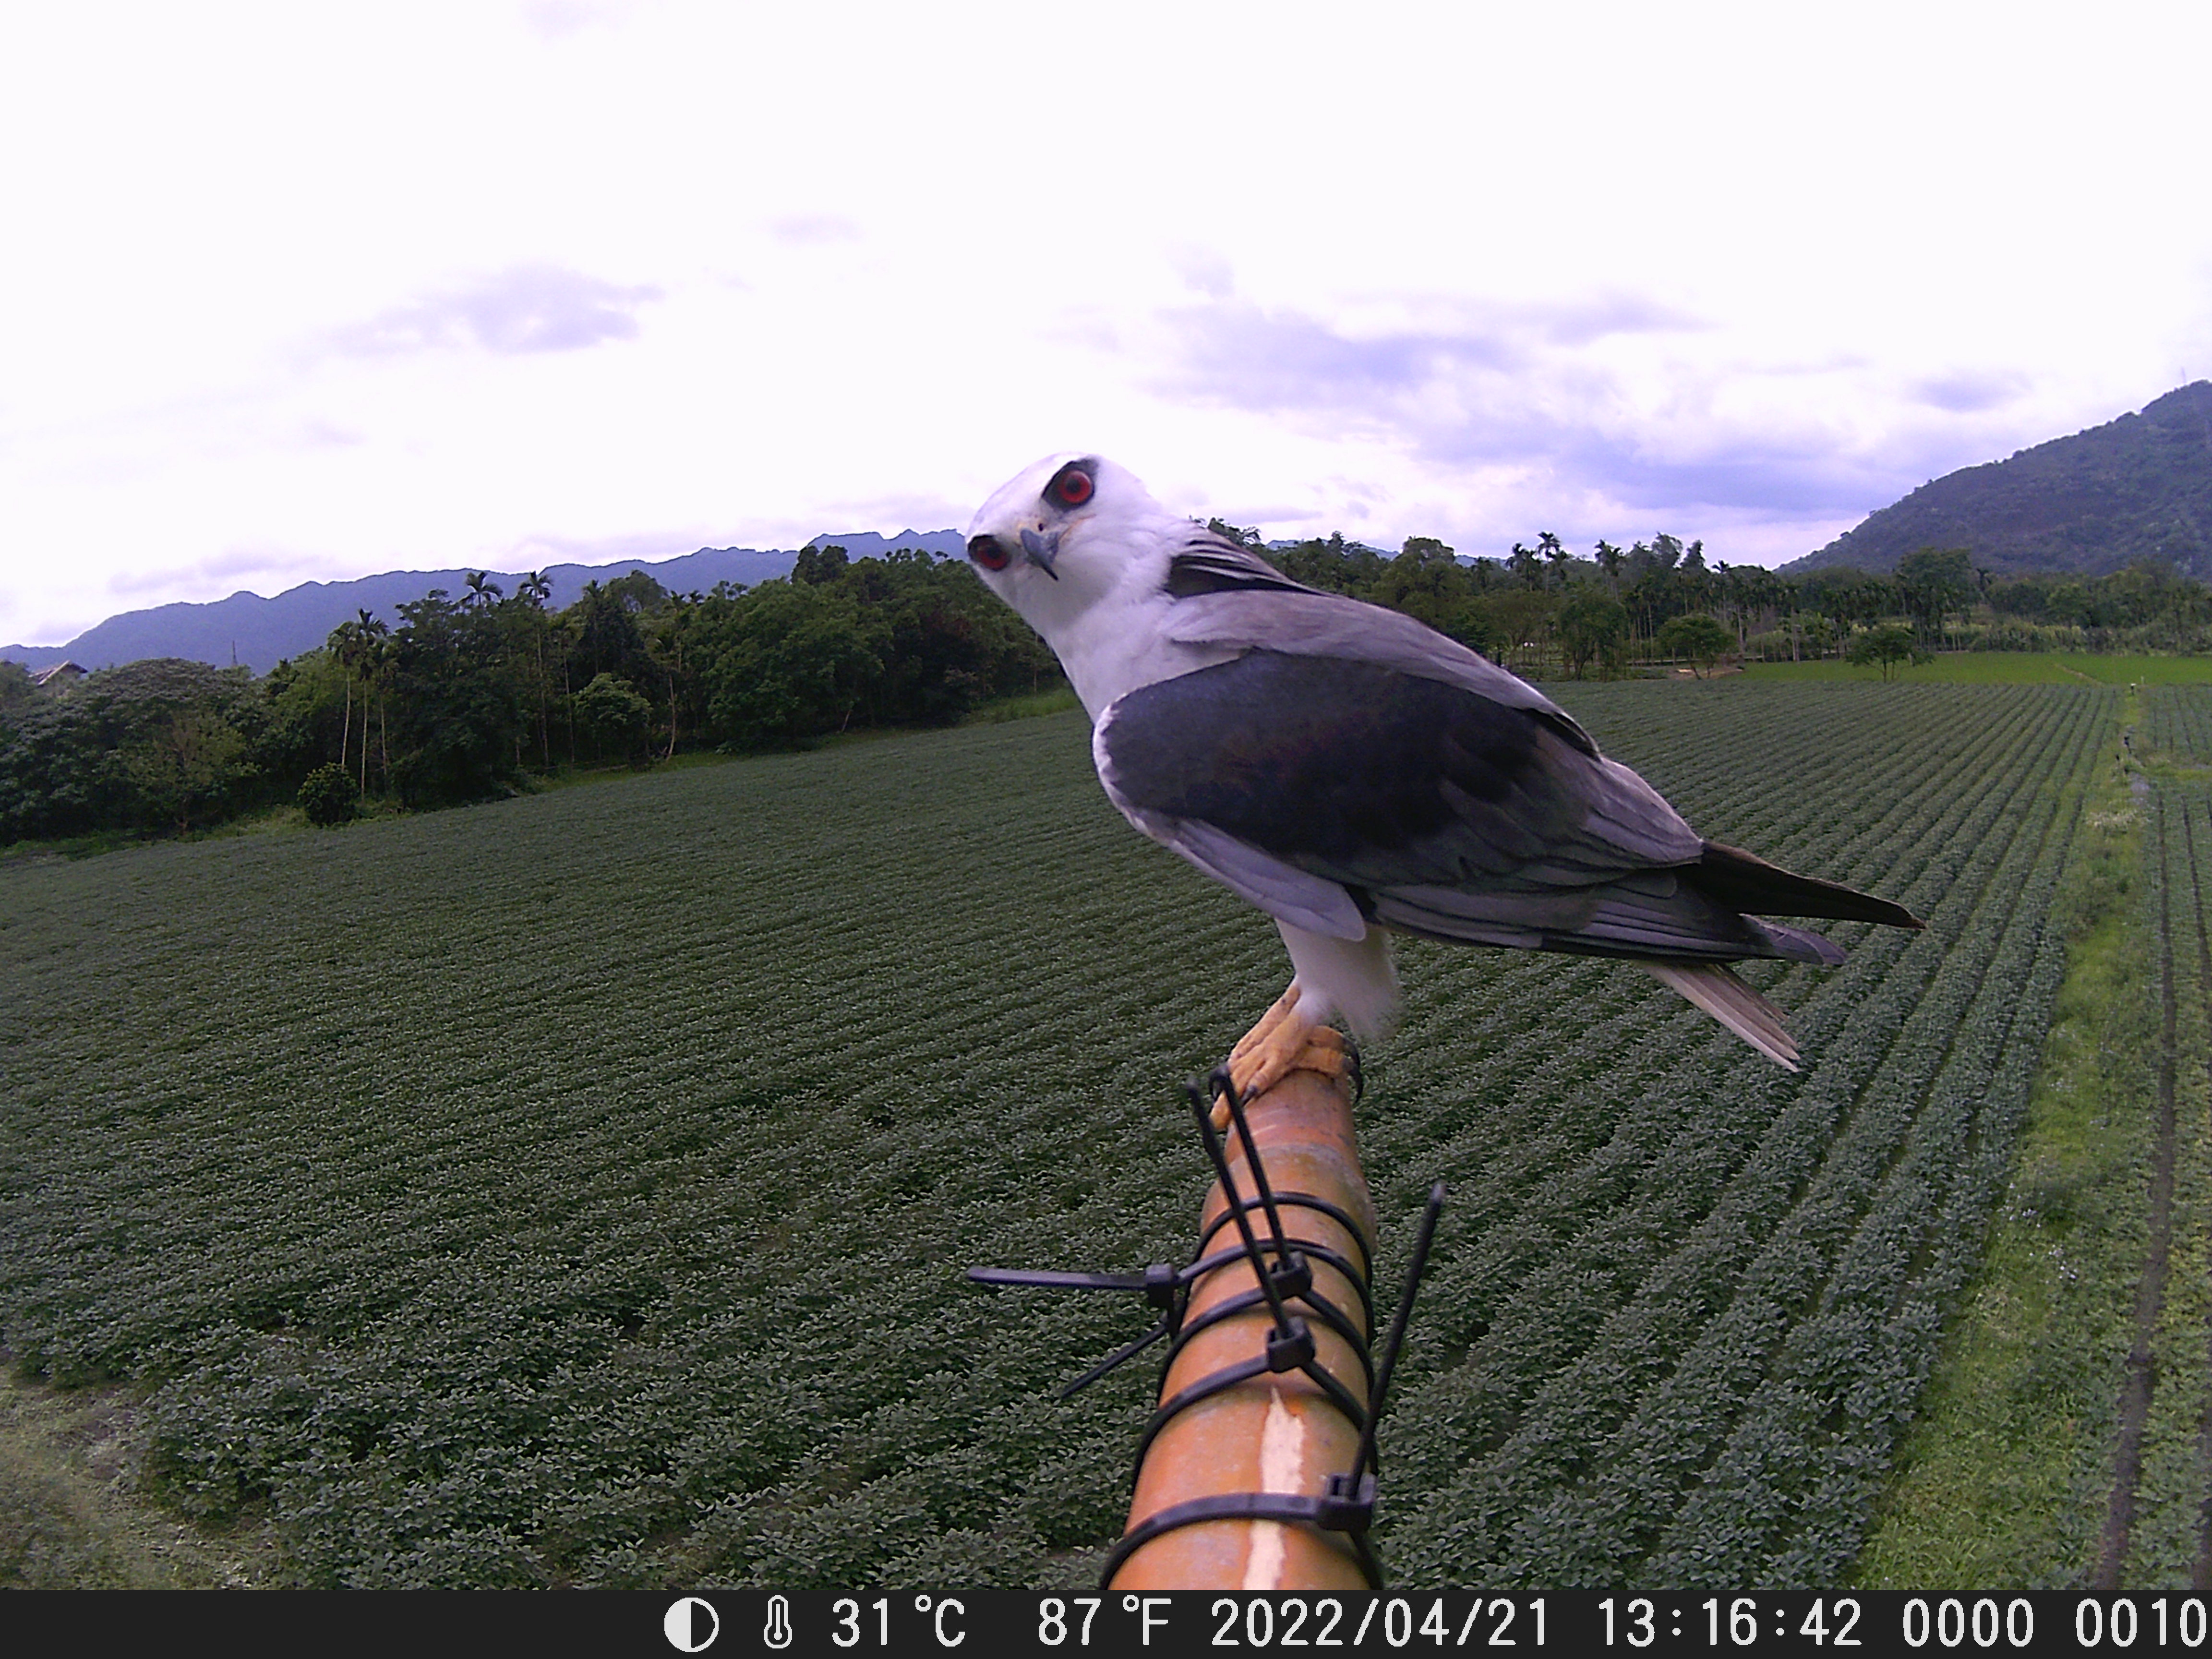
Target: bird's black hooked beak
<point x="1042" y="550"/>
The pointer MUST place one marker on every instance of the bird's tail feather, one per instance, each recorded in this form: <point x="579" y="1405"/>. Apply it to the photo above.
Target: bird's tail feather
<point x="1714" y="987"/>
<point x="1744" y="881"/>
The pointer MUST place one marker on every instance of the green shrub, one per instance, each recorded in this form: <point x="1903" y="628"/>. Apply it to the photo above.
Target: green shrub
<point x="328" y="797"/>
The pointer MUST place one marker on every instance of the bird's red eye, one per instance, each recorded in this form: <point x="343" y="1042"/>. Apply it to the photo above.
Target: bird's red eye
<point x="989" y="552"/>
<point x="1071" y="488"/>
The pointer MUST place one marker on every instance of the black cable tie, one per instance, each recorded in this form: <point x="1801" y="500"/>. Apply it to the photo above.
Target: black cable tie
<point x="1289" y="1507"/>
<point x="1162" y="1283"/>
<point x="1119" y="1356"/>
<point x="1347" y="1505"/>
<point x="1227" y="1090"/>
<point x="1293" y="1276"/>
<point x="1204" y="1265"/>
<point x="1364" y="1459"/>
<point x="1243" y="1302"/>
<point x="1307" y="1246"/>
<point x="1292" y="1349"/>
<point x="1053" y="1279"/>
<point x="1201" y="1108"/>
<point x="1163" y="1286"/>
<point x="1253" y="1369"/>
<point x="1213" y="1382"/>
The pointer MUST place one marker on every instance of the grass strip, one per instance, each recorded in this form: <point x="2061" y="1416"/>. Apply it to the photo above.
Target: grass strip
<point x="2005" y="668"/>
<point x="2005" y="1479"/>
<point x="70" y="1517"/>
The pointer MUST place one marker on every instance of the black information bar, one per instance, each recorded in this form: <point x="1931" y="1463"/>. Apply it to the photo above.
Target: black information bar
<point x="995" y="1622"/>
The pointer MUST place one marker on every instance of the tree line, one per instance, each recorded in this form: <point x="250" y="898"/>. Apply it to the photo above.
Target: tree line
<point x="464" y="698"/>
<point x="1543" y="610"/>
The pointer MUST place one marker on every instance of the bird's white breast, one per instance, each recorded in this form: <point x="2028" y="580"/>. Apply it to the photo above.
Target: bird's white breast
<point x="1119" y="643"/>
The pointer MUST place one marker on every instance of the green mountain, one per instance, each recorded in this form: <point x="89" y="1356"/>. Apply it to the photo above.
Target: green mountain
<point x="2139" y="487"/>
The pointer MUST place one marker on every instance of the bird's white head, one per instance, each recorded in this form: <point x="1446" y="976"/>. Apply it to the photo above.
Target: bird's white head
<point x="1067" y="533"/>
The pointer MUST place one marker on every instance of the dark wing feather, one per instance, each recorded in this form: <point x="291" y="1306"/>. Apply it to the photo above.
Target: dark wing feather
<point x="1438" y="811"/>
<point x="1747" y="881"/>
<point x="1207" y="563"/>
<point x="1347" y="770"/>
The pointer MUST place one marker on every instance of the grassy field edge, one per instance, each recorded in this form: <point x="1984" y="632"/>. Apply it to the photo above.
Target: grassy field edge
<point x="2001" y="668"/>
<point x="71" y="1514"/>
<point x="2005" y="1478"/>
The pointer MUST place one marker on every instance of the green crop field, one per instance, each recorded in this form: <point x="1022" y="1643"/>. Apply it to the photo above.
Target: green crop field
<point x="576" y="1190"/>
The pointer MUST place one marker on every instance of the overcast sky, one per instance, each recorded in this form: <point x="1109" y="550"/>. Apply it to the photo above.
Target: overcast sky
<point x="308" y="291"/>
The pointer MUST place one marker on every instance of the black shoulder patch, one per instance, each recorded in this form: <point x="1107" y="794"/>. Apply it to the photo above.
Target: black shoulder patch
<point x="1212" y="567"/>
<point x="1340" y="768"/>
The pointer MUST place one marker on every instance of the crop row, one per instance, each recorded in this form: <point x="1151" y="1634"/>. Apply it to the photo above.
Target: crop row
<point x="1772" y="1242"/>
<point x="2177" y="721"/>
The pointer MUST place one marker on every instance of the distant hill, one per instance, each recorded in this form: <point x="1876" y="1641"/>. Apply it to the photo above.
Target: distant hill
<point x="866" y="544"/>
<point x="2140" y="487"/>
<point x="258" y="633"/>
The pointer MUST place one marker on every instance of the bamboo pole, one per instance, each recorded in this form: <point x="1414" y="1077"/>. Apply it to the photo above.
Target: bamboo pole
<point x="1281" y="1432"/>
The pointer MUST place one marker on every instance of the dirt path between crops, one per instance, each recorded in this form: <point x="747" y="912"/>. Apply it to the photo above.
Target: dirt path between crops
<point x="2200" y="1575"/>
<point x="2150" y="1291"/>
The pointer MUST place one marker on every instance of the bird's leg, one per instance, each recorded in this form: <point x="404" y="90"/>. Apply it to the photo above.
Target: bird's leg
<point x="1283" y="1041"/>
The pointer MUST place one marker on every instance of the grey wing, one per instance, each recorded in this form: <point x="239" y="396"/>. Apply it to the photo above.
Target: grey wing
<point x="1284" y="892"/>
<point x="1333" y="792"/>
<point x="1303" y="622"/>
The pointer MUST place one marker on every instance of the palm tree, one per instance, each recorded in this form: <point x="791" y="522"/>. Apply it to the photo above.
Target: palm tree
<point x="1555" y="556"/>
<point x="536" y="592"/>
<point x="372" y="653"/>
<point x="482" y="589"/>
<point x="345" y="647"/>
<point x="387" y="671"/>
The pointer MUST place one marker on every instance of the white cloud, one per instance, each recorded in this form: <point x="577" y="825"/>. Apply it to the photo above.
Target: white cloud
<point x="574" y="271"/>
<point x="217" y="575"/>
<point x="1967" y="391"/>
<point x="530" y="308"/>
<point x="812" y="229"/>
<point x="557" y="20"/>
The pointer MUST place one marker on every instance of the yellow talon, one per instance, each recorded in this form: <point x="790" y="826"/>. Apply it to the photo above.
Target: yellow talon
<point x="1279" y="1044"/>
